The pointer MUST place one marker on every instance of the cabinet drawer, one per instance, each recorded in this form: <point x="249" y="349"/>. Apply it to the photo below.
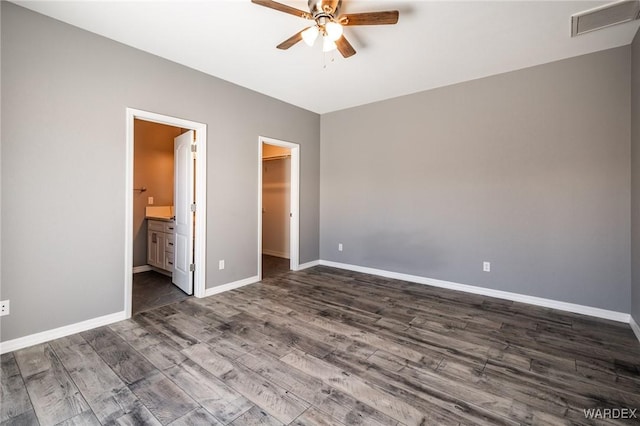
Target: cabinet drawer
<point x="168" y="261"/>
<point x="169" y="243"/>
<point x="155" y="225"/>
<point x="169" y="227"/>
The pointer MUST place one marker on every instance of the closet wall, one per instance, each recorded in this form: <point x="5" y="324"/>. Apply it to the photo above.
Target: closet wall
<point x="276" y="189"/>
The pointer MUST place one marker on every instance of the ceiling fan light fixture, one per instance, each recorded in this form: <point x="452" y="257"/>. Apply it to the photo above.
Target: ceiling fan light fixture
<point x="334" y="30"/>
<point x="328" y="45"/>
<point x="329" y="23"/>
<point x="310" y="35"/>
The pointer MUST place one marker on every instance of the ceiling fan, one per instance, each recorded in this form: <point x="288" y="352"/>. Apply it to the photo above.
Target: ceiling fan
<point x="329" y="23"/>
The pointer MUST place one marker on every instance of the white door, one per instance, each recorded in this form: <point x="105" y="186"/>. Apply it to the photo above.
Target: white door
<point x="183" y="200"/>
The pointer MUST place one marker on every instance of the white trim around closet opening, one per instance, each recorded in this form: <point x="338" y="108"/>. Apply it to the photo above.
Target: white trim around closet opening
<point x="294" y="223"/>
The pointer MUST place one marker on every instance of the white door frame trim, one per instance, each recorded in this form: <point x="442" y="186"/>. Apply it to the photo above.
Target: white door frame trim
<point x="294" y="224"/>
<point x="200" y="195"/>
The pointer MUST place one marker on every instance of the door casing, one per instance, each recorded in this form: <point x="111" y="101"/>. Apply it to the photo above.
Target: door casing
<point x="294" y="223"/>
<point x="200" y="197"/>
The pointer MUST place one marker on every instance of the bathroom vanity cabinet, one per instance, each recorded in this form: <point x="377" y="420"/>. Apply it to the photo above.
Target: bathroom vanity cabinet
<point x="160" y="243"/>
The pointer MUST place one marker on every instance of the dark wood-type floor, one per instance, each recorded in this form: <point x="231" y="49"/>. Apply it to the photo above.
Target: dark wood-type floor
<point x="152" y="290"/>
<point x="325" y="346"/>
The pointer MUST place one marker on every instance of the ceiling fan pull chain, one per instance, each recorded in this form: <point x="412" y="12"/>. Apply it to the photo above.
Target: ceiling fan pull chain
<point x="332" y="58"/>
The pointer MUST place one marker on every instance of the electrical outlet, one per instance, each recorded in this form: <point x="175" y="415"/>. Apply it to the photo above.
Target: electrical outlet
<point x="339" y="246"/>
<point x="150" y="201"/>
<point x="221" y="265"/>
<point x="4" y="308"/>
<point x="486" y="266"/>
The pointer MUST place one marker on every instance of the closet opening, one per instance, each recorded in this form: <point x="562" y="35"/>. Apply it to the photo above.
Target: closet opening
<point x="278" y="242"/>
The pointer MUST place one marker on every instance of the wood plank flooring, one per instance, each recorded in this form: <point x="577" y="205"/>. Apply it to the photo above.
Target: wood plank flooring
<point x="329" y="347"/>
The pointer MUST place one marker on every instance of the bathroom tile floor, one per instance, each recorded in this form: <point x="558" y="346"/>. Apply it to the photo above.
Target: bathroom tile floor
<point x="152" y="290"/>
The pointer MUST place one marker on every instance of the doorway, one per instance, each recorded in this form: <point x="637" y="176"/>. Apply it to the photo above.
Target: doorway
<point x="278" y="206"/>
<point x="154" y="184"/>
<point x="175" y="218"/>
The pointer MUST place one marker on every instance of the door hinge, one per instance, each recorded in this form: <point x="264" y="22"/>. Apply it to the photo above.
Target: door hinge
<point x="193" y="207"/>
<point x="192" y="267"/>
<point x="194" y="148"/>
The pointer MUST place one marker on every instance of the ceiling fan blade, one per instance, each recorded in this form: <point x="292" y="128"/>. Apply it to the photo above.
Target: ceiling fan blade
<point x="345" y="48"/>
<point x="370" y="18"/>
<point x="283" y="8"/>
<point x="291" y="41"/>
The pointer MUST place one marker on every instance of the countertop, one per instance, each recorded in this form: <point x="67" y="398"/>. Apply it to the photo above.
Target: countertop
<point x="161" y="218"/>
<point x="164" y="213"/>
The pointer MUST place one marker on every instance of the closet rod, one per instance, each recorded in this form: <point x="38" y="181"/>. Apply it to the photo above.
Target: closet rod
<point x="277" y="157"/>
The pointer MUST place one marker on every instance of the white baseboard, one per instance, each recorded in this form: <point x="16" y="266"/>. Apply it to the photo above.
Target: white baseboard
<point x="147" y="268"/>
<point x="635" y="327"/>
<point x="143" y="268"/>
<point x="516" y="297"/>
<point x="308" y="265"/>
<point x="56" y="333"/>
<point x="230" y="286"/>
<point x="275" y="253"/>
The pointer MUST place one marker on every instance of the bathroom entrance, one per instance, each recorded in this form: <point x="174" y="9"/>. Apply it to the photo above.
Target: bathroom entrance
<point x="167" y="210"/>
<point x="154" y="216"/>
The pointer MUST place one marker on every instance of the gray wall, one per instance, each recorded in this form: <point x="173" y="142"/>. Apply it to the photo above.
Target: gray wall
<point x="635" y="178"/>
<point x="64" y="94"/>
<point x="528" y="170"/>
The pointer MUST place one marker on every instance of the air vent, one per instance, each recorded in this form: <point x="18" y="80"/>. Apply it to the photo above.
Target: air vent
<point x="605" y="16"/>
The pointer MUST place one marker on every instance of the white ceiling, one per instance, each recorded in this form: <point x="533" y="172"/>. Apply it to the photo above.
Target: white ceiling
<point x="434" y="44"/>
